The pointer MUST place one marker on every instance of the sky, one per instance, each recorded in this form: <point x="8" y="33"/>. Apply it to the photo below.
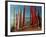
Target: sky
<point x="16" y="7"/>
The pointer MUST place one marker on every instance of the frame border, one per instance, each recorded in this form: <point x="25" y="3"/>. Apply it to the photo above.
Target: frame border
<point x="6" y="18"/>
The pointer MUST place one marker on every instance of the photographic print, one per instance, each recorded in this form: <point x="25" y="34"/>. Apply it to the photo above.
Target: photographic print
<point x="25" y="18"/>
